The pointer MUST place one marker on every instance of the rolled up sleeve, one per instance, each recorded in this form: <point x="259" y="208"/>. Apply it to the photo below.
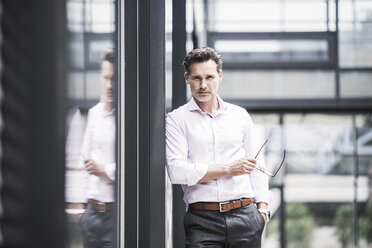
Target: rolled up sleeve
<point x="259" y="182"/>
<point x="180" y="171"/>
<point x="110" y="170"/>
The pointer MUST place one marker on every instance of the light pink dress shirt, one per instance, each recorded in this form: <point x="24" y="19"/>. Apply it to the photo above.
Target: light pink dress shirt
<point x="99" y="145"/>
<point x="195" y="140"/>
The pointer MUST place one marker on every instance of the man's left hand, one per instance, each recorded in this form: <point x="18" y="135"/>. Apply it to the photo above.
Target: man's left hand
<point x="265" y="217"/>
<point x="263" y="205"/>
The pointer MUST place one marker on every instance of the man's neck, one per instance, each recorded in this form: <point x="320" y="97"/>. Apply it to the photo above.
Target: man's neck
<point x="108" y="106"/>
<point x="210" y="107"/>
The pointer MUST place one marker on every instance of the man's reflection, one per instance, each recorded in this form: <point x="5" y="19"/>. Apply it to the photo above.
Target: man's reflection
<point x="98" y="155"/>
<point x="75" y="187"/>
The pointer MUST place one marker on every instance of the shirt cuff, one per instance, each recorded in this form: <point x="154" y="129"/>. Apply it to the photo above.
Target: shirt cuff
<point x="110" y="170"/>
<point x="197" y="174"/>
<point x="266" y="197"/>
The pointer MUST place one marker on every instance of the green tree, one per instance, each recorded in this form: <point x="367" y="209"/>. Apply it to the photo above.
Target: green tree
<point x="343" y="223"/>
<point x="366" y="224"/>
<point x="299" y="226"/>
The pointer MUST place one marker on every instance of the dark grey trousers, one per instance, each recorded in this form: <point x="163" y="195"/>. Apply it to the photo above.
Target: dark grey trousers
<point x="97" y="228"/>
<point x="238" y="228"/>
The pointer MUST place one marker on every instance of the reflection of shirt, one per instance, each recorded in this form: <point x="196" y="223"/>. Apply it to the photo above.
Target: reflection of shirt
<point x="195" y="140"/>
<point x="75" y="185"/>
<point x="99" y="145"/>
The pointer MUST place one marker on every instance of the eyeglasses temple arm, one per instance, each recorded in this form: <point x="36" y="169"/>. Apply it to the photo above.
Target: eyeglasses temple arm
<point x="261" y="149"/>
<point x="281" y="164"/>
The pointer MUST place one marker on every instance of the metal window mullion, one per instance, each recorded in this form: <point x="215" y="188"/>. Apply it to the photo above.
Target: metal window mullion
<point x="355" y="183"/>
<point x="130" y="112"/>
<point x="337" y="70"/>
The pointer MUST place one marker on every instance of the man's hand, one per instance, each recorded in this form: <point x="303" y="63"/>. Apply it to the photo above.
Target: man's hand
<point x="237" y="168"/>
<point x="263" y="205"/>
<point x="241" y="167"/>
<point x="93" y="168"/>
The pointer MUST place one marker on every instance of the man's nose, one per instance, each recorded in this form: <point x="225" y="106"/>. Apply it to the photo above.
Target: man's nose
<point x="203" y="83"/>
<point x="109" y="84"/>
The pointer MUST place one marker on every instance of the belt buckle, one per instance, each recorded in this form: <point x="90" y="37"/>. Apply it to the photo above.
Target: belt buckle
<point x="101" y="206"/>
<point x="221" y="204"/>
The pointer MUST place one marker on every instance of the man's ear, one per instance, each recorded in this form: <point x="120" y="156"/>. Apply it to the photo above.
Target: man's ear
<point x="220" y="75"/>
<point x="186" y="75"/>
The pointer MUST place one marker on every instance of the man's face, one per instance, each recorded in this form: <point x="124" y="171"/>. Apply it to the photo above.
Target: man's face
<point x="107" y="79"/>
<point x="204" y="80"/>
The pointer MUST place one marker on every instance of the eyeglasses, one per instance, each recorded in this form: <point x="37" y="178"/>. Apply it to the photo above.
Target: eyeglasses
<point x="265" y="171"/>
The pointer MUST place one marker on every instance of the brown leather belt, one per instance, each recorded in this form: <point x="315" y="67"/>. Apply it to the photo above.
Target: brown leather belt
<point x="100" y="206"/>
<point x="221" y="206"/>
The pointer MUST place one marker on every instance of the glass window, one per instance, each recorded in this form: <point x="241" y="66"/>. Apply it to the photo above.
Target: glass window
<point x="168" y="49"/>
<point x="76" y="87"/>
<point x="268" y="127"/>
<point x="318" y="148"/>
<point x="95" y="45"/>
<point x="356" y="84"/>
<point x="270" y="16"/>
<point x="322" y="193"/>
<point x="94" y="89"/>
<point x="322" y="180"/>
<point x="75" y="14"/>
<point x="90" y="142"/>
<point x="100" y="16"/>
<point x="277" y="84"/>
<point x="76" y="51"/>
<point x="269" y="50"/>
<point x="355" y="33"/>
<point x="273" y="33"/>
<point x="86" y="45"/>
<point x="364" y="130"/>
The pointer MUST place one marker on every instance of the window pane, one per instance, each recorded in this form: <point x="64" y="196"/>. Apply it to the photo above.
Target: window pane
<point x="320" y="180"/>
<point x="321" y="192"/>
<point x="94" y="88"/>
<point x="75" y="15"/>
<point x="355" y="33"/>
<point x="76" y="86"/>
<point x="95" y="49"/>
<point x="364" y="125"/>
<point x="355" y="45"/>
<point x="268" y="16"/>
<point x="356" y="84"/>
<point x="168" y="55"/>
<point x="268" y="127"/>
<point x="314" y="150"/>
<point x="100" y="16"/>
<point x="242" y="51"/>
<point x="76" y="51"/>
<point x="90" y="142"/>
<point x="277" y="84"/>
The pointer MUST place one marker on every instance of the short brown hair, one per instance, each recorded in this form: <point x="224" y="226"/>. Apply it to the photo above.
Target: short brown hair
<point x="108" y="55"/>
<point x="203" y="54"/>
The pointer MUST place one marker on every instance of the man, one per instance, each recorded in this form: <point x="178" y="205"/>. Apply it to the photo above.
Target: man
<point x="210" y="149"/>
<point x="98" y="152"/>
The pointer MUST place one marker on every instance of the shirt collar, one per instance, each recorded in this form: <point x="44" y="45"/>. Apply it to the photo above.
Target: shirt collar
<point x="192" y="105"/>
<point x="103" y="110"/>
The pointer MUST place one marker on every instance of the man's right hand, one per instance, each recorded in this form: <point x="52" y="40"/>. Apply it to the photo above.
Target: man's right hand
<point x="93" y="168"/>
<point x="241" y="167"/>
